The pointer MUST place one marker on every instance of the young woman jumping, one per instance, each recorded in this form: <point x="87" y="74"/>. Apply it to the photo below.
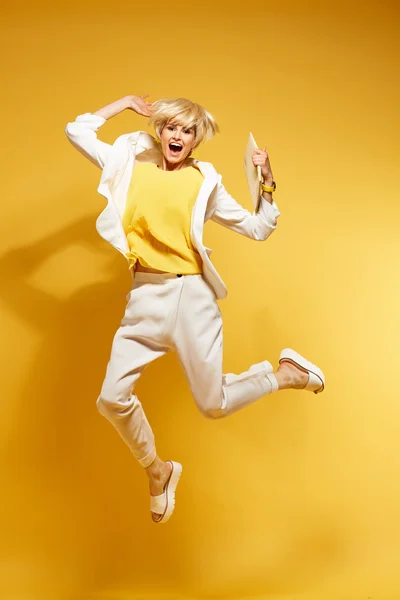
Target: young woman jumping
<point x="158" y="199"/>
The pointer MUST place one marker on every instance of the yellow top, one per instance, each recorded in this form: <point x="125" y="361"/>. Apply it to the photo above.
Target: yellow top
<point x="157" y="218"/>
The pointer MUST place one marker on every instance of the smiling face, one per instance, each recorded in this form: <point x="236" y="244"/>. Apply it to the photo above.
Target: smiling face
<point x="176" y="144"/>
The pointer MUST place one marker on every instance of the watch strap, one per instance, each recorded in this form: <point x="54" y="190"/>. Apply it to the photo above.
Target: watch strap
<point x="270" y="189"/>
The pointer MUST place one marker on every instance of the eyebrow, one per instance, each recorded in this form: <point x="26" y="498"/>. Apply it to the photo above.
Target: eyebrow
<point x="191" y="127"/>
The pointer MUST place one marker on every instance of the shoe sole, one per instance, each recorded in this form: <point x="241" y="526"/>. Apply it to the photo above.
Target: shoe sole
<point x="170" y="491"/>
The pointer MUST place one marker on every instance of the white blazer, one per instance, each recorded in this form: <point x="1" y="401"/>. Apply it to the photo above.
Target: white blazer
<point x="213" y="201"/>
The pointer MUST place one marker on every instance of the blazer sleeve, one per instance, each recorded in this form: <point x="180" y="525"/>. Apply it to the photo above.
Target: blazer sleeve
<point x="229" y="213"/>
<point x="82" y="134"/>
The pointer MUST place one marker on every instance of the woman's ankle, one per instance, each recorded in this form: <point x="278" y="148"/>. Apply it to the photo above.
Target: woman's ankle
<point x="283" y="378"/>
<point x="156" y="469"/>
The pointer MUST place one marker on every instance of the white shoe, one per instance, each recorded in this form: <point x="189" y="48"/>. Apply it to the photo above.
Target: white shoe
<point x="316" y="378"/>
<point x="164" y="504"/>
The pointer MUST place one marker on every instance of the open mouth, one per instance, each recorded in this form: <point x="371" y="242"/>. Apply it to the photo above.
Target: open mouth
<point x="175" y="149"/>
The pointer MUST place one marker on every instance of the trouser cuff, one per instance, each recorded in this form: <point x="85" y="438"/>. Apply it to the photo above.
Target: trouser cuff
<point x="273" y="381"/>
<point x="148" y="459"/>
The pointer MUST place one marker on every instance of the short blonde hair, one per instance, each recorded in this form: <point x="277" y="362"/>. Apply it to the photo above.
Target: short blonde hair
<point x="185" y="113"/>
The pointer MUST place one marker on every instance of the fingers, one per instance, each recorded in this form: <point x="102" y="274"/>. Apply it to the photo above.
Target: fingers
<point x="260" y="157"/>
<point x="144" y="111"/>
<point x="141" y="106"/>
<point x="146" y="101"/>
<point x="146" y="106"/>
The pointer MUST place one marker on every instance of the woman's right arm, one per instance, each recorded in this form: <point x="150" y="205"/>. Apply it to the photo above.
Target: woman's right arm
<point x="82" y="132"/>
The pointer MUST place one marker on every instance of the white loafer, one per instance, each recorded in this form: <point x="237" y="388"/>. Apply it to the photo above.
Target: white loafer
<point x="164" y="504"/>
<point x="316" y="378"/>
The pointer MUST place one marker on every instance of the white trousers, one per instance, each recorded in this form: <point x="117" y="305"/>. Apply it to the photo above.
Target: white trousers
<point x="167" y="312"/>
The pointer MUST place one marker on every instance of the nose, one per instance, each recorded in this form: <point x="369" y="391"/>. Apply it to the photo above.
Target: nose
<point x="177" y="136"/>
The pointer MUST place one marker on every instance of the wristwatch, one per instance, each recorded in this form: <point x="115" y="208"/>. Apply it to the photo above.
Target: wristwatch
<point x="265" y="188"/>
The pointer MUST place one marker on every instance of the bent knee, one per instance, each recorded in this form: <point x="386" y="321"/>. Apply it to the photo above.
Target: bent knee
<point x="115" y="401"/>
<point x="215" y="409"/>
<point x="105" y="406"/>
<point x="213" y="413"/>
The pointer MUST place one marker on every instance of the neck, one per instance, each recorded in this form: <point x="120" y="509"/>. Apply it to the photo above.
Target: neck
<point x="167" y="166"/>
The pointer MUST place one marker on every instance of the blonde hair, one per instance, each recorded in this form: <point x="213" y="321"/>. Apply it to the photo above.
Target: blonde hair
<point x="185" y="113"/>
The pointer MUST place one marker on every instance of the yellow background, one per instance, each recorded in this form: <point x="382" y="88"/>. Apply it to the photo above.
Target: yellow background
<point x="298" y="496"/>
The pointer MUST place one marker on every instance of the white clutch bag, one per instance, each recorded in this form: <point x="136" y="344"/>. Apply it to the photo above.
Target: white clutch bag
<point x="253" y="174"/>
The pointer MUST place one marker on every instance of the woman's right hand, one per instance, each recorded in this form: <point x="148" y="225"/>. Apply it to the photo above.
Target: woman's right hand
<point x="135" y="103"/>
<point x="139" y="105"/>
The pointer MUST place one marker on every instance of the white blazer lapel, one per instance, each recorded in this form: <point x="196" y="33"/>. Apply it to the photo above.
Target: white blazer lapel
<point x="200" y="206"/>
<point x="114" y="184"/>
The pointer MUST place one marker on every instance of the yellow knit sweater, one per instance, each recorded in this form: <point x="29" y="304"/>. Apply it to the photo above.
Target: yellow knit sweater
<point x="157" y="218"/>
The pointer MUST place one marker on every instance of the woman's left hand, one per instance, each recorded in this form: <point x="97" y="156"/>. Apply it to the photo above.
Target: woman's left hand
<point x="260" y="158"/>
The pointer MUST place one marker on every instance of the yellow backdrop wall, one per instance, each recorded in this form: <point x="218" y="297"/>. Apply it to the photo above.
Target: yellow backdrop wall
<point x="297" y="496"/>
